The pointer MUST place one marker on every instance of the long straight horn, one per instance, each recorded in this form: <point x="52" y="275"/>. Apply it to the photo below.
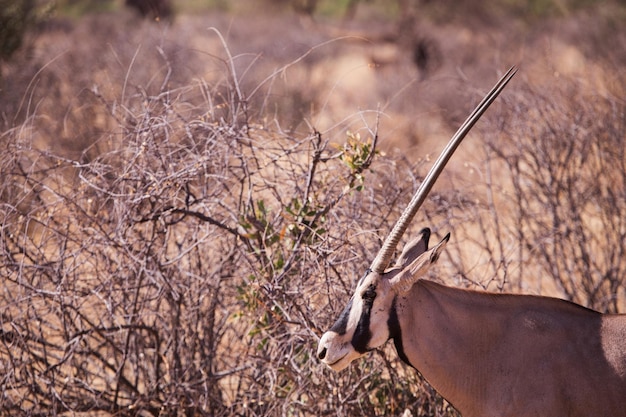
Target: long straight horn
<point x="383" y="258"/>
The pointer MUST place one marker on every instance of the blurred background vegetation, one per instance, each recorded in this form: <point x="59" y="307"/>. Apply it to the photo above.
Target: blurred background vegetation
<point x="190" y="189"/>
<point x="19" y="16"/>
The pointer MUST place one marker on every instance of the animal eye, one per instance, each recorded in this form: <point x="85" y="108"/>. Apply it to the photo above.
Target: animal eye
<point x="369" y="294"/>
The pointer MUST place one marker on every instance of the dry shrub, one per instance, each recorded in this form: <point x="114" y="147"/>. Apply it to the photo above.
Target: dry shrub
<point x="548" y="196"/>
<point x="187" y="259"/>
<point x="561" y="150"/>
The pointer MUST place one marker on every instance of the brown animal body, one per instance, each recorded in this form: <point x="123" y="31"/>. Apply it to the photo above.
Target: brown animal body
<point x="514" y="355"/>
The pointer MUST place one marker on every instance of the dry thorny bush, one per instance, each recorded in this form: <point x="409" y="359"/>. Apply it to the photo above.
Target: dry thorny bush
<point x="187" y="260"/>
<point x="565" y="173"/>
<point x="552" y="197"/>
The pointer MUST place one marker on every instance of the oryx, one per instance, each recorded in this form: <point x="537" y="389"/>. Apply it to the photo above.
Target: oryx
<point x="490" y="355"/>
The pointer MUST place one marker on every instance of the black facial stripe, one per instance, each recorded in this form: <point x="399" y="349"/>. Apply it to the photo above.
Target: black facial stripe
<point x="341" y="324"/>
<point x="395" y="332"/>
<point x="362" y="334"/>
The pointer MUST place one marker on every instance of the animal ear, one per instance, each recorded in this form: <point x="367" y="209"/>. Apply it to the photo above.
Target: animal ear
<point x="413" y="249"/>
<point x="404" y="280"/>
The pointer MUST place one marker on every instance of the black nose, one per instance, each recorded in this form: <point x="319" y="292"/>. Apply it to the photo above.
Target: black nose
<point x="322" y="353"/>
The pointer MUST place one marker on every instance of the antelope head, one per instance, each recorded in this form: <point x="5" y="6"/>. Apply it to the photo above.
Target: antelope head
<point x="365" y="322"/>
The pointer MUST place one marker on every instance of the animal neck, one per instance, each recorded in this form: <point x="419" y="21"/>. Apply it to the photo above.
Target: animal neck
<point x="440" y="331"/>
